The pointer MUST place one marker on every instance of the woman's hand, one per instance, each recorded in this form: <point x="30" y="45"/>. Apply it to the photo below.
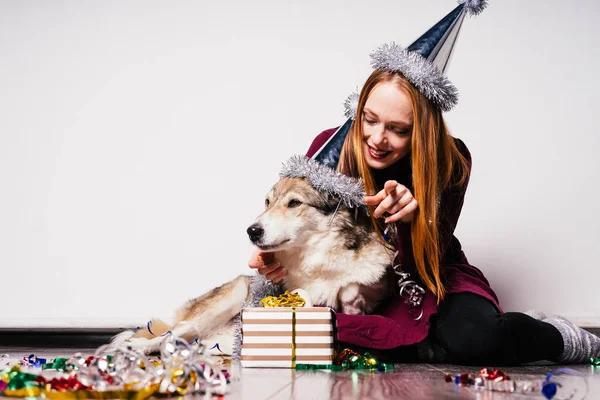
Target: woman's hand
<point x="396" y="200"/>
<point x="266" y="265"/>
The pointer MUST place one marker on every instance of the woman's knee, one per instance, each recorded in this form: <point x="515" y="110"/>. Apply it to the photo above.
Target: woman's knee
<point x="470" y="329"/>
<point x="472" y="340"/>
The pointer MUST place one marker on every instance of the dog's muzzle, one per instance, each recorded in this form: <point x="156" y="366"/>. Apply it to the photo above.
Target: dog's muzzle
<point x="255" y="232"/>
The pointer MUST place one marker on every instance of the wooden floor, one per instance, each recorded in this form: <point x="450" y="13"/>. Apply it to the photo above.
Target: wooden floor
<point x="408" y="381"/>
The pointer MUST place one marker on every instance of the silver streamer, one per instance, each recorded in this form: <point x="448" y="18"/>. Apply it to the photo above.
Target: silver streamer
<point x="184" y="368"/>
<point x="474" y="7"/>
<point x="350" y="105"/>
<point x="348" y="190"/>
<point x="418" y="71"/>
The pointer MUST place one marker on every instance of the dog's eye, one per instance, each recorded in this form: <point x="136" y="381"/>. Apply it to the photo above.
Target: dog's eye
<point x="294" y="203"/>
<point x="267" y="203"/>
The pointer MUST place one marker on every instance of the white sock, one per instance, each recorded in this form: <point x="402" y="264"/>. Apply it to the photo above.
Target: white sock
<point x="580" y="345"/>
<point x="537" y="314"/>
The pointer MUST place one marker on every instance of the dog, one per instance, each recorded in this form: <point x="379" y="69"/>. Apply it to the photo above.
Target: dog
<point x="329" y="251"/>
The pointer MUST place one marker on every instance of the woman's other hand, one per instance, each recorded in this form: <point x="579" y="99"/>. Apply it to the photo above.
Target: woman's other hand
<point x="267" y="266"/>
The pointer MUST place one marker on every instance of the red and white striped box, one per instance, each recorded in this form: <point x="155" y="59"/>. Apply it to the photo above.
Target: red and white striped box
<point x="281" y="337"/>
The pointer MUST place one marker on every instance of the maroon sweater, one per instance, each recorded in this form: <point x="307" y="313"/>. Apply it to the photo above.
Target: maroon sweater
<point x="391" y="325"/>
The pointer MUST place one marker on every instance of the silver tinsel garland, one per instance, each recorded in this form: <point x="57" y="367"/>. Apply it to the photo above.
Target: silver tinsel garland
<point x="474" y="7"/>
<point x="349" y="190"/>
<point x="424" y="75"/>
<point x="350" y="105"/>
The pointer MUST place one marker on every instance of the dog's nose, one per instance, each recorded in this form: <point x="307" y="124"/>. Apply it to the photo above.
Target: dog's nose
<point x="255" y="232"/>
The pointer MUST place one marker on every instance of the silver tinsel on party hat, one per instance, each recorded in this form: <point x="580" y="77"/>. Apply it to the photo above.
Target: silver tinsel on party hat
<point x="350" y="191"/>
<point x="417" y="70"/>
<point x="425" y="62"/>
<point x="350" y="105"/>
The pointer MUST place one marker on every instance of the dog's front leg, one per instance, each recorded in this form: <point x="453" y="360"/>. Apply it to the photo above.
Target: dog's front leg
<point x="351" y="300"/>
<point x="184" y="330"/>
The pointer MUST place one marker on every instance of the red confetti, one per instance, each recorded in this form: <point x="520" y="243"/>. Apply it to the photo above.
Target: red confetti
<point x="62" y="384"/>
<point x="495" y="375"/>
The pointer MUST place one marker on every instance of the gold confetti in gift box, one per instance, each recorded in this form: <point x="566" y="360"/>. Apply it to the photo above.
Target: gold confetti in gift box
<point x="280" y="337"/>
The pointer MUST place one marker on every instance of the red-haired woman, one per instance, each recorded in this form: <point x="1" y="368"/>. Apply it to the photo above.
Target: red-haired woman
<point x="417" y="174"/>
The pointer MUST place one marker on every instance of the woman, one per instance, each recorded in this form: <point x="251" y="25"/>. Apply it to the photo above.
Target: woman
<point x="400" y="146"/>
<point x="417" y="175"/>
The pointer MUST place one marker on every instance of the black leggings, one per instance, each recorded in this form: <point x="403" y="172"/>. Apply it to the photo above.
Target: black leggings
<point x="473" y="332"/>
<point x="468" y="330"/>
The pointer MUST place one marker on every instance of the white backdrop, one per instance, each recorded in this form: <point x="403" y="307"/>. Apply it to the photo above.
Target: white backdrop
<point x="138" y="139"/>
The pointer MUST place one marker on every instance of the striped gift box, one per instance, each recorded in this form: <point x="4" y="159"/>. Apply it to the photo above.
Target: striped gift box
<point x="283" y="336"/>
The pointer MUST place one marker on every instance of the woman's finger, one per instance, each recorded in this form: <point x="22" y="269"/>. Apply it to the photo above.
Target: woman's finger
<point x="268" y="269"/>
<point x="385" y="206"/>
<point x="276" y="275"/>
<point x="404" y="200"/>
<point x="390" y="186"/>
<point x="259" y="259"/>
<point x="255" y="260"/>
<point x="375" y="199"/>
<point x="409" y="209"/>
<point x="267" y="257"/>
<point x="390" y="204"/>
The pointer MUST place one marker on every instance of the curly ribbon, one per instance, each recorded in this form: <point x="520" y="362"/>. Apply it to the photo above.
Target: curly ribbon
<point x="33" y="361"/>
<point x="25" y="392"/>
<point x="148" y="324"/>
<point x="15" y="379"/>
<point x="285" y="300"/>
<point x="314" y="367"/>
<point x="497" y="380"/>
<point x="216" y="346"/>
<point x="59" y="364"/>
<point x="62" y="384"/>
<point x="184" y="370"/>
<point x="549" y="388"/>
<point x="348" y="359"/>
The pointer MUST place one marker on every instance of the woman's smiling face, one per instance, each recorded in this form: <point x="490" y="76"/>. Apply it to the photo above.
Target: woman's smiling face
<point x="387" y="125"/>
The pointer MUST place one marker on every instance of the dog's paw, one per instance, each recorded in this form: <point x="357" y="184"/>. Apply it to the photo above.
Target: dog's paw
<point x="119" y="340"/>
<point x="352" y="309"/>
<point x="351" y="300"/>
<point x="143" y="345"/>
<point x="220" y="344"/>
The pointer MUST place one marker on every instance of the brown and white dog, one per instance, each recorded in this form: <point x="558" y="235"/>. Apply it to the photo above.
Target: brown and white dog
<point x="327" y="249"/>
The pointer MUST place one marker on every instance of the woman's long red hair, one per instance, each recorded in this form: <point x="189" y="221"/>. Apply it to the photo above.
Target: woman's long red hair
<point x="436" y="165"/>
